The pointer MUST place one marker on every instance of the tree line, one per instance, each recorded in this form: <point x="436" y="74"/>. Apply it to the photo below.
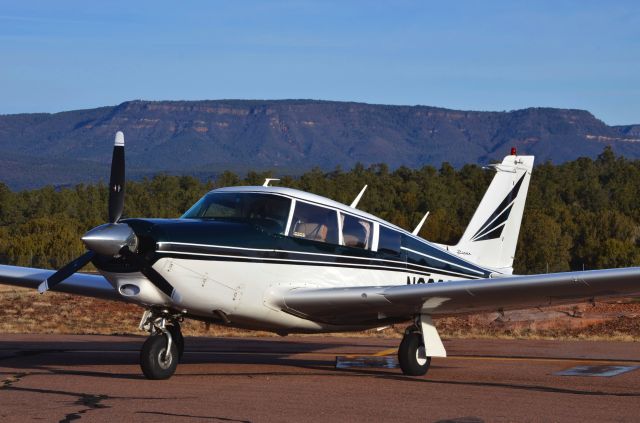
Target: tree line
<point x="582" y="214"/>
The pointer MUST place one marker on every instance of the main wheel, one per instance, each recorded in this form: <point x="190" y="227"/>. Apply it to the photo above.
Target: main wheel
<point x="412" y="356"/>
<point x="176" y="335"/>
<point x="156" y="362"/>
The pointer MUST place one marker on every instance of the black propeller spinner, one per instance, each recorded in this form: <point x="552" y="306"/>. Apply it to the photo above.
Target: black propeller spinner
<point x="113" y="238"/>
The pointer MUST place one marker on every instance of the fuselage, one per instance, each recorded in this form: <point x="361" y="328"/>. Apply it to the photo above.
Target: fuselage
<point x="238" y="249"/>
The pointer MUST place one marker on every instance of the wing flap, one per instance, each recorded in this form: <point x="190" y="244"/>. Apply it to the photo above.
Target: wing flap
<point x="377" y="305"/>
<point x="79" y="283"/>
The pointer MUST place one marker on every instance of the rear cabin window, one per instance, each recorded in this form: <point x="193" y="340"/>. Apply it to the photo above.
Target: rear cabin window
<point x="356" y="232"/>
<point x="389" y="241"/>
<point x="314" y="223"/>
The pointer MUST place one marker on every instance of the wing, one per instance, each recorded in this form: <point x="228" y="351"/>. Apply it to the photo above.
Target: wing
<point x="377" y="305"/>
<point x="79" y="283"/>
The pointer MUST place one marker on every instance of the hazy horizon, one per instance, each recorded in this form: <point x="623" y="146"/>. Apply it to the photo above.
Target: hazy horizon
<point x="496" y="56"/>
<point x="306" y="99"/>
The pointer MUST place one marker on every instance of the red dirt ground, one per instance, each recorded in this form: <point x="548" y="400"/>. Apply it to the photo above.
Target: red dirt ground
<point x="25" y="311"/>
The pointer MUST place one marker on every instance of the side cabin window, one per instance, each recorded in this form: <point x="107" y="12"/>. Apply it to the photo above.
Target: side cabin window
<point x="356" y="232"/>
<point x="389" y="241"/>
<point x="314" y="223"/>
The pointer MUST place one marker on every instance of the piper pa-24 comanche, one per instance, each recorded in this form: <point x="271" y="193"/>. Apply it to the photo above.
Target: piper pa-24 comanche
<point x="282" y="260"/>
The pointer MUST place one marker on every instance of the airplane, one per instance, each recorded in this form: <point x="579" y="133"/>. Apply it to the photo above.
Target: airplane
<point x="287" y="261"/>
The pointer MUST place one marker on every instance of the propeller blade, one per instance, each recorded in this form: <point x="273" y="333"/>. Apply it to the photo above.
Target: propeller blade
<point x="116" y="181"/>
<point x="68" y="270"/>
<point x="156" y="278"/>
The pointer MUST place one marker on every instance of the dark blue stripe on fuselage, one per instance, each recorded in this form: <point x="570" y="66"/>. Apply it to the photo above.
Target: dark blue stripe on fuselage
<point x="243" y="241"/>
<point x="221" y="253"/>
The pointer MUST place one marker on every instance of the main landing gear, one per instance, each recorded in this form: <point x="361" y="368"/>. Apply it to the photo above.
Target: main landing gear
<point x="412" y="355"/>
<point x="420" y="342"/>
<point x="164" y="347"/>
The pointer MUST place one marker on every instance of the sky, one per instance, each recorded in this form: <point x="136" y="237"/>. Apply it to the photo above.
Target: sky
<point x="471" y="55"/>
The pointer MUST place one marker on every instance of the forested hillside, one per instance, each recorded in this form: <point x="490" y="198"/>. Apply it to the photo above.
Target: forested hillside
<point x="204" y="138"/>
<point x="583" y="213"/>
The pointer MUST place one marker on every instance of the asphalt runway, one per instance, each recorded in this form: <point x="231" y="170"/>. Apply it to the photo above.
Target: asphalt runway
<point x="97" y="378"/>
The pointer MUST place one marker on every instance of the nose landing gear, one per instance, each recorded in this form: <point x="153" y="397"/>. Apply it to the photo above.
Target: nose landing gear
<point x="158" y="357"/>
<point x="162" y="351"/>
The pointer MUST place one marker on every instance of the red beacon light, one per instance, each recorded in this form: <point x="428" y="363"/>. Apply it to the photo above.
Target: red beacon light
<point x="513" y="151"/>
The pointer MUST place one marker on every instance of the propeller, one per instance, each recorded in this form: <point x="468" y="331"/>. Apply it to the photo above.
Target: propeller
<point x="116" y="181"/>
<point x="68" y="270"/>
<point x="113" y="238"/>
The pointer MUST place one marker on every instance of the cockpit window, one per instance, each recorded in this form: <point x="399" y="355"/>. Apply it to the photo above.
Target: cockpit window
<point x="314" y="223"/>
<point x="266" y="210"/>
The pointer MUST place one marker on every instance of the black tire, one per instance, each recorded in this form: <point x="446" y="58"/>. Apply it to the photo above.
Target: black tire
<point x="176" y="335"/>
<point x="411" y="355"/>
<point x="154" y="362"/>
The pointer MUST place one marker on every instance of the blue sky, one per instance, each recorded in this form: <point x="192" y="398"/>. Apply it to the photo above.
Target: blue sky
<point x="473" y="55"/>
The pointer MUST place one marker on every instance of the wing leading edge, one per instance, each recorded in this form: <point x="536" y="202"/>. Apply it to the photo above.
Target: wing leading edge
<point x="79" y="283"/>
<point x="380" y="304"/>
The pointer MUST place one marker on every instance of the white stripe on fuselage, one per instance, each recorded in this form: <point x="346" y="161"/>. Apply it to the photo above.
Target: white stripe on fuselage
<point x="441" y="260"/>
<point x="326" y="263"/>
<point x="272" y="250"/>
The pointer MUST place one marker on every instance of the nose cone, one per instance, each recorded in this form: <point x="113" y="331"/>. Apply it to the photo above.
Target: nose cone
<point x="109" y="239"/>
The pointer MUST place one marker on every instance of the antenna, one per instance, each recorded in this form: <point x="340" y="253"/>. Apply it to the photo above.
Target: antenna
<point x="357" y="200"/>
<point x="268" y="180"/>
<point x="417" y="229"/>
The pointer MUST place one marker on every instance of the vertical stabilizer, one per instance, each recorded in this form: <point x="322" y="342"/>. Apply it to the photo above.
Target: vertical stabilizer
<point x="491" y="237"/>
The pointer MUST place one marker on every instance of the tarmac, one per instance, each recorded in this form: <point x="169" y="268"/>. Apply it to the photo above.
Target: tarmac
<point x="97" y="378"/>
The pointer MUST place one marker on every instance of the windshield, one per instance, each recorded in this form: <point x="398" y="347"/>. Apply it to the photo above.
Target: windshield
<point x="266" y="210"/>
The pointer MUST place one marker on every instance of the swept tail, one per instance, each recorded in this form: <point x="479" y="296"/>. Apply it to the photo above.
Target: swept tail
<point x="491" y="237"/>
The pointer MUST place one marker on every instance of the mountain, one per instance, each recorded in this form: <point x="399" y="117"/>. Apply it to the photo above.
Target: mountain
<point x="288" y="136"/>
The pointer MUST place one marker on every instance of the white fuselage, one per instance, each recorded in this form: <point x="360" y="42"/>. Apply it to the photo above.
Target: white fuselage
<point x="250" y="294"/>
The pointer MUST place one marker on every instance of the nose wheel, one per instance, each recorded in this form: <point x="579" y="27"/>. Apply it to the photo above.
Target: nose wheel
<point x="164" y="347"/>
<point x="158" y="358"/>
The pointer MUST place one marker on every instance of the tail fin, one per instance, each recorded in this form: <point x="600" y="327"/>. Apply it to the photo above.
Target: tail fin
<point x="491" y="237"/>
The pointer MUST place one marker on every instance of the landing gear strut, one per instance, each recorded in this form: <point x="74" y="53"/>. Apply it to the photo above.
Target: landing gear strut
<point x="164" y="347"/>
<point x="176" y="336"/>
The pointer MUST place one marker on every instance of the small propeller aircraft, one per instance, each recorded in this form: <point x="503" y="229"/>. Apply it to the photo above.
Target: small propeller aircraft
<point x="283" y="260"/>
